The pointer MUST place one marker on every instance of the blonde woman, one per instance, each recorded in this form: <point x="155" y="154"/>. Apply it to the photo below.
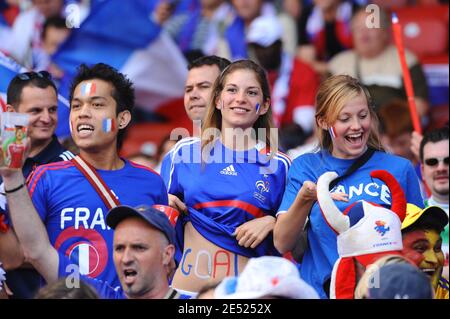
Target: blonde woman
<point x="229" y="184"/>
<point x="348" y="135"/>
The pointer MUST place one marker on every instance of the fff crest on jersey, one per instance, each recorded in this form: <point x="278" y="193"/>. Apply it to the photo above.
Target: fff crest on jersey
<point x="261" y="187"/>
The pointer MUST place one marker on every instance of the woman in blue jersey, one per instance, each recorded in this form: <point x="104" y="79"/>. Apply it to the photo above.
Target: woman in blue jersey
<point x="228" y="184"/>
<point x="347" y="128"/>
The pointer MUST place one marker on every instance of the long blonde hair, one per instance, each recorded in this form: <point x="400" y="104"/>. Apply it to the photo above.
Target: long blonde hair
<point x="213" y="117"/>
<point x="331" y="98"/>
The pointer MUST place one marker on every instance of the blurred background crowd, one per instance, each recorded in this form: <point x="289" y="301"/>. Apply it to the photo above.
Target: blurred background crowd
<point x="298" y="42"/>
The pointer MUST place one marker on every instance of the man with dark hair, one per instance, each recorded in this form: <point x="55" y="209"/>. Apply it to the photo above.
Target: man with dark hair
<point x="54" y="33"/>
<point x="202" y="74"/>
<point x="422" y="242"/>
<point x="220" y="62"/>
<point x="73" y="197"/>
<point x="433" y="153"/>
<point x="34" y="94"/>
<point x="122" y="91"/>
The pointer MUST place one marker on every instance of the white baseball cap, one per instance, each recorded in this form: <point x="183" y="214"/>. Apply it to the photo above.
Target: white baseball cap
<point x="265" y="277"/>
<point x="264" y="30"/>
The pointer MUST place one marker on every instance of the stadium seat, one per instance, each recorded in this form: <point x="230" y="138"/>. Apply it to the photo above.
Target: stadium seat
<point x="141" y="133"/>
<point x="425" y="32"/>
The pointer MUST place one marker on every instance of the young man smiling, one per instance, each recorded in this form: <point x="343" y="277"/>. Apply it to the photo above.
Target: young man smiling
<point x="69" y="201"/>
<point x="34" y="94"/>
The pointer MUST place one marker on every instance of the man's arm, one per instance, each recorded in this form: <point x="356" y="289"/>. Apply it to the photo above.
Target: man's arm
<point x="28" y="226"/>
<point x="11" y="254"/>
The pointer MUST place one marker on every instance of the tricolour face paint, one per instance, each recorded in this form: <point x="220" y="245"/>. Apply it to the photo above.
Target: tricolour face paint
<point x="88" y="88"/>
<point x="108" y="125"/>
<point x="258" y="106"/>
<point x="332" y="132"/>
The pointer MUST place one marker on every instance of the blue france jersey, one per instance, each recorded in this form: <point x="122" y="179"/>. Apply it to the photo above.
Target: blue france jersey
<point x="166" y="163"/>
<point x="74" y="214"/>
<point x="228" y="189"/>
<point x="322" y="253"/>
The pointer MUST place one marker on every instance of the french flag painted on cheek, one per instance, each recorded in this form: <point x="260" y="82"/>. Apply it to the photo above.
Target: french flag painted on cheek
<point x="108" y="125"/>
<point x="332" y="132"/>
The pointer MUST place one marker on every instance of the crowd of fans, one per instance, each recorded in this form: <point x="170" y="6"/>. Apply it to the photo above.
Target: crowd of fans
<point x="358" y="209"/>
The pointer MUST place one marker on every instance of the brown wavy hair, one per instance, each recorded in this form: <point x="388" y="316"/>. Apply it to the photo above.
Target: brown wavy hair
<point x="213" y="117"/>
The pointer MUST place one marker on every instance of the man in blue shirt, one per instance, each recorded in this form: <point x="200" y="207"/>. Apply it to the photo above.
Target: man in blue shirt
<point x="143" y="252"/>
<point x="35" y="94"/>
<point x="70" y="203"/>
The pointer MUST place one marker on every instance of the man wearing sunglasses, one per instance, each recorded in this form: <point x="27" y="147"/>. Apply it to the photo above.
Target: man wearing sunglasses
<point x="35" y="94"/>
<point x="433" y="154"/>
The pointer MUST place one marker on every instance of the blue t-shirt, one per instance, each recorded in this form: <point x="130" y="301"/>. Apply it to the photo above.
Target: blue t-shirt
<point x="321" y="254"/>
<point x="75" y="215"/>
<point x="166" y="163"/>
<point x="228" y="189"/>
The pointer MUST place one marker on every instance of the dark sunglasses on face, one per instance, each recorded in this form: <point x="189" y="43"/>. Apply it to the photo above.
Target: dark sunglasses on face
<point x="435" y="161"/>
<point x="27" y="76"/>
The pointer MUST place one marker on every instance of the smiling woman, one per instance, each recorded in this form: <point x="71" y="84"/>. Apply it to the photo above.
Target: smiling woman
<point x="229" y="206"/>
<point x="348" y="128"/>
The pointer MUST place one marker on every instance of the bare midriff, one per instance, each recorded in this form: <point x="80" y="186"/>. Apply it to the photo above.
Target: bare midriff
<point x="204" y="262"/>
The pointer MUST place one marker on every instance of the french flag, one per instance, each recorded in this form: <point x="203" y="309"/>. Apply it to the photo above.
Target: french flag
<point x="108" y="125"/>
<point x="332" y="132"/>
<point x="88" y="88"/>
<point x="8" y="70"/>
<point x="86" y="256"/>
<point x="123" y="35"/>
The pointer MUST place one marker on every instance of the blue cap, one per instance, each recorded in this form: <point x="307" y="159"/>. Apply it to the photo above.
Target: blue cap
<point x="401" y="281"/>
<point x="151" y="215"/>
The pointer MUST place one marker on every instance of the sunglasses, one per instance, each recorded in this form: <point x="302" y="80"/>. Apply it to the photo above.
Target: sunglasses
<point x="435" y="161"/>
<point x="27" y="76"/>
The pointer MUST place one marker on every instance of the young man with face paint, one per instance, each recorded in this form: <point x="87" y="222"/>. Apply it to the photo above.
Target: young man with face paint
<point x="101" y="102"/>
<point x="422" y="243"/>
<point x="347" y="128"/>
